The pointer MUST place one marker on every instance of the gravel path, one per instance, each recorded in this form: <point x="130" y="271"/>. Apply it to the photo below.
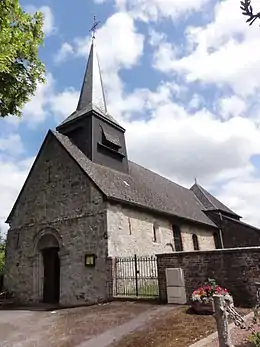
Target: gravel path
<point x="93" y="326"/>
<point x="115" y="334"/>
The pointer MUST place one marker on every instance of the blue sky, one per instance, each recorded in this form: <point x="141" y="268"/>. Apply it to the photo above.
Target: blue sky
<point x="181" y="76"/>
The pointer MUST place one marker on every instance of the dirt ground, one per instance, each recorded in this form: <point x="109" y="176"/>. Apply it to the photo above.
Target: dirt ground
<point x="239" y="337"/>
<point x="177" y="328"/>
<point x="74" y="327"/>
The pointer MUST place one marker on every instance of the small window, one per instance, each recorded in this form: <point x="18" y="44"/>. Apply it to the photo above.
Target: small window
<point x="217" y="240"/>
<point x="17" y="244"/>
<point x="177" y="238"/>
<point x="155" y="231"/>
<point x="129" y="226"/>
<point x="195" y="242"/>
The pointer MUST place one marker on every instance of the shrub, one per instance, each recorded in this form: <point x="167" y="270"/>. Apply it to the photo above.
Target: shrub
<point x="255" y="339"/>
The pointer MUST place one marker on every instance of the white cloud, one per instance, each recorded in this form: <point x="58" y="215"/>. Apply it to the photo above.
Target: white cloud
<point x="48" y="26"/>
<point x="65" y="51"/>
<point x="13" y="172"/>
<point x="49" y="22"/>
<point x="230" y="106"/>
<point x="242" y="194"/>
<point x="155" y="37"/>
<point x="119" y="52"/>
<point x="221" y="53"/>
<point x="114" y="55"/>
<point x="196" y="102"/>
<point x="62" y="104"/>
<point x="153" y="10"/>
<point x="11" y="144"/>
<point x="183" y="145"/>
<point x="35" y="111"/>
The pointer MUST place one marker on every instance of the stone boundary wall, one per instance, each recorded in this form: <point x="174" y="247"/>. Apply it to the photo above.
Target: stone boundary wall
<point x="236" y="269"/>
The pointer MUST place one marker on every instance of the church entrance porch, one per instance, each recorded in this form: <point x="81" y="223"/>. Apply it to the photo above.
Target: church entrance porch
<point x="51" y="284"/>
<point x="47" y="269"/>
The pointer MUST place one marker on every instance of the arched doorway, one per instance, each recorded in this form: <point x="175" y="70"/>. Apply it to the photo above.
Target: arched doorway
<point x="49" y="248"/>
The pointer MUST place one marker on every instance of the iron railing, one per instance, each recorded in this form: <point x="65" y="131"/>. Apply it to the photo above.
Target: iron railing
<point x="135" y="277"/>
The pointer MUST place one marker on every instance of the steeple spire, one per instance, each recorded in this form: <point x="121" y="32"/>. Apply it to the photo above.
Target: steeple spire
<point x="92" y="96"/>
<point x="92" y="92"/>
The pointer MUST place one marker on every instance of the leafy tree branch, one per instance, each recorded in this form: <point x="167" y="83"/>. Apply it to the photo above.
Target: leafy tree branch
<point x="247" y="10"/>
<point x="21" y="70"/>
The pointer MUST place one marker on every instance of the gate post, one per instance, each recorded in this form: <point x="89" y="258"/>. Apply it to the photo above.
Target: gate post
<point x="114" y="274"/>
<point x="136" y="277"/>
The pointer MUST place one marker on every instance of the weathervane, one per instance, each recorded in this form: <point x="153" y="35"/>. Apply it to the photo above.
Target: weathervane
<point x="94" y="27"/>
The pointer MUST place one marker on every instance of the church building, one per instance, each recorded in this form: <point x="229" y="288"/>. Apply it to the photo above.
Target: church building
<point x="84" y="203"/>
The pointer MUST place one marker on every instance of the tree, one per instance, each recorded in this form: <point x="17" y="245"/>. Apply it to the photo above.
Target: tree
<point x="21" y="34"/>
<point x="248" y="11"/>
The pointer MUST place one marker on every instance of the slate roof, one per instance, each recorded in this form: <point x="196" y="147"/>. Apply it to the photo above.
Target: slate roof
<point x="209" y="201"/>
<point x="92" y="96"/>
<point x="80" y="113"/>
<point x="141" y="187"/>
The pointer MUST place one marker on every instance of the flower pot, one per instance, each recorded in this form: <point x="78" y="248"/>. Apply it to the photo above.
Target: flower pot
<point x="203" y="308"/>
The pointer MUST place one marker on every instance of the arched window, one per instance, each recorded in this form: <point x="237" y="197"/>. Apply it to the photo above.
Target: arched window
<point x="195" y="242"/>
<point x="177" y="238"/>
<point x="155" y="231"/>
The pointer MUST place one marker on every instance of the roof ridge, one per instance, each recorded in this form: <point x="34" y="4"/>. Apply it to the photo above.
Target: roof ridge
<point x="203" y="192"/>
<point x="214" y="201"/>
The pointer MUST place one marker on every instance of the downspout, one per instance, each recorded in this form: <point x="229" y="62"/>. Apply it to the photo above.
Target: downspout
<point x="220" y="230"/>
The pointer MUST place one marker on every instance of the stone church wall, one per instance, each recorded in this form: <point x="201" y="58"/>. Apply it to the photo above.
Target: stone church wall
<point x="236" y="269"/>
<point x="131" y="232"/>
<point x="59" y="199"/>
<point x="235" y="233"/>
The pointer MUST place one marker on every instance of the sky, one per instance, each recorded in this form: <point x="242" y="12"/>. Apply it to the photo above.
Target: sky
<point x="182" y="77"/>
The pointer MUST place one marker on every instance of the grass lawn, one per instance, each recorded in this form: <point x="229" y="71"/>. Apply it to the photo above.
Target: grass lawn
<point x="176" y="329"/>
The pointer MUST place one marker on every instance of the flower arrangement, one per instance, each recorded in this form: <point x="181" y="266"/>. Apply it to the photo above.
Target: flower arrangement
<point x="204" y="294"/>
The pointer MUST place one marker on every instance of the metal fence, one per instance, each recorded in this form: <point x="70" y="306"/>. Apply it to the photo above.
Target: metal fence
<point x="135" y="277"/>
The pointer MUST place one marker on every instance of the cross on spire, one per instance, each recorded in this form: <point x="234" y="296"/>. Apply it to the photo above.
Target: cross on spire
<point x="94" y="27"/>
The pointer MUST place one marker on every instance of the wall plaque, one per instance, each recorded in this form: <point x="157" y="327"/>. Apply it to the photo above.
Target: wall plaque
<point x="90" y="260"/>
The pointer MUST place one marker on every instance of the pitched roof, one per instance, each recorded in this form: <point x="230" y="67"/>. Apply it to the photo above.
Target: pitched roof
<point x="92" y="96"/>
<point x="209" y="201"/>
<point x="141" y="187"/>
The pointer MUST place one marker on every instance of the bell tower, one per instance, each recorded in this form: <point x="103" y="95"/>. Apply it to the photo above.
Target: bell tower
<point x="90" y="127"/>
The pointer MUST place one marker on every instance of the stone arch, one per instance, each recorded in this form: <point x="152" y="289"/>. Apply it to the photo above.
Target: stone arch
<point x="47" y="236"/>
<point x="47" y="244"/>
<point x="47" y="241"/>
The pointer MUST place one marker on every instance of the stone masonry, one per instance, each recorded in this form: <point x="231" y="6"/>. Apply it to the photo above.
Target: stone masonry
<point x="131" y="232"/>
<point x="235" y="269"/>
<point x="59" y="199"/>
